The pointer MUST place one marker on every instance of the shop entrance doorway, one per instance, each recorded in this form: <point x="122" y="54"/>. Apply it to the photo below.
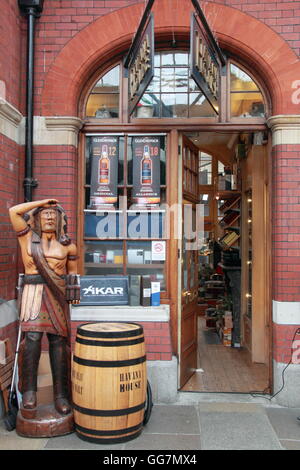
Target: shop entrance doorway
<point x="224" y="321"/>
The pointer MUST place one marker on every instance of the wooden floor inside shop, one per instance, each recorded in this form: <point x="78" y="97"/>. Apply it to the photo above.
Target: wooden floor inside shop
<point x="225" y="369"/>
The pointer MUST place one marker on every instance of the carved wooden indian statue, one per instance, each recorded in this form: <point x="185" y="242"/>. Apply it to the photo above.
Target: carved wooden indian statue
<point x="50" y="284"/>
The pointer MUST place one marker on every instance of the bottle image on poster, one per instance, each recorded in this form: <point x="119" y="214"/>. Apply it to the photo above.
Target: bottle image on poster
<point x="104" y="171"/>
<point x="146" y="170"/>
<point x="103" y="167"/>
<point x="146" y="167"/>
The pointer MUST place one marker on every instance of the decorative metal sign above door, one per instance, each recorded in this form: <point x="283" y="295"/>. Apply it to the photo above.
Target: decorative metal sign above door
<point x="206" y="57"/>
<point x="140" y="59"/>
<point x="204" y="66"/>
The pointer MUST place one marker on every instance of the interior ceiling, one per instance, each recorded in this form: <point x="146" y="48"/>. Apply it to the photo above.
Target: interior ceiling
<point x="218" y="144"/>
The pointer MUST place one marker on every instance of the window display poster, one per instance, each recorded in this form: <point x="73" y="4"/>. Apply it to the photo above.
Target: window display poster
<point x="104" y="171"/>
<point x="146" y="170"/>
<point x="158" y="250"/>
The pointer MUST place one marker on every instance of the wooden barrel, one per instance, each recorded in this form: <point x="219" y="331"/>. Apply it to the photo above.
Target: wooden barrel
<point x="109" y="381"/>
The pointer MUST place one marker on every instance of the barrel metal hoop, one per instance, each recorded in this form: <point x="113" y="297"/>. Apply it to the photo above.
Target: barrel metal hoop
<point x="106" y="440"/>
<point x="93" y="412"/>
<point x="114" y="432"/>
<point x="91" y="342"/>
<point x="94" y="363"/>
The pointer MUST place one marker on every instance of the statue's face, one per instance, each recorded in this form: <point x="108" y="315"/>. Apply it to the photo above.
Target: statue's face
<point x="48" y="220"/>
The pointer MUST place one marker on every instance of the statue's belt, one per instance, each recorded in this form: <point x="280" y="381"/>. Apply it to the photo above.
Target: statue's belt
<point x="35" y="279"/>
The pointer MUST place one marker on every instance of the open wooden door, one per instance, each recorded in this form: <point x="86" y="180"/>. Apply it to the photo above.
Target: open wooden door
<point x="256" y="249"/>
<point x="189" y="269"/>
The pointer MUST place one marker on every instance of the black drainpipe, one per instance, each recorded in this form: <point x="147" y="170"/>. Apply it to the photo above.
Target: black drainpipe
<point x="32" y="9"/>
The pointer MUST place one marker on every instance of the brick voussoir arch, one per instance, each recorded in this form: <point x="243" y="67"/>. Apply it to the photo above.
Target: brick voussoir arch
<point x="245" y="36"/>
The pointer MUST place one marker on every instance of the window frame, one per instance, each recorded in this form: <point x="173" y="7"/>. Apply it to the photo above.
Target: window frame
<point x="173" y="69"/>
<point x="125" y="187"/>
<point x="90" y="85"/>
<point x="225" y="99"/>
<point x="266" y="100"/>
<point x="100" y="93"/>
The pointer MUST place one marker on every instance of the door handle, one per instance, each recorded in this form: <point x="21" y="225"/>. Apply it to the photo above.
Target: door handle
<point x="186" y="293"/>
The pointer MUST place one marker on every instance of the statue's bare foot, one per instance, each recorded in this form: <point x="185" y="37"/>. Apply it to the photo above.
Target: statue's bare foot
<point x="63" y="406"/>
<point x="29" y="400"/>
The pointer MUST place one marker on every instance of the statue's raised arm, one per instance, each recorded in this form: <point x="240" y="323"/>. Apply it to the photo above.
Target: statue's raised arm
<point x="17" y="212"/>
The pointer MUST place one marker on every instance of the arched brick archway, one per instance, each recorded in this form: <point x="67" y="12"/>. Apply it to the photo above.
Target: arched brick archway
<point x="257" y="44"/>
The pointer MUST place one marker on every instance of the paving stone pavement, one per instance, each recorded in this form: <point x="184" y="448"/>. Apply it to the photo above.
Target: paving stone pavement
<point x="202" y="425"/>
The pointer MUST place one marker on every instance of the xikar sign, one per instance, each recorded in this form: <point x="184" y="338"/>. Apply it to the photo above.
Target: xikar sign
<point x="104" y="290"/>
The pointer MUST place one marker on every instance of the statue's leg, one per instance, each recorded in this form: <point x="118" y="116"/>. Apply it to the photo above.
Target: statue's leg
<point x="30" y="362"/>
<point x="59" y="360"/>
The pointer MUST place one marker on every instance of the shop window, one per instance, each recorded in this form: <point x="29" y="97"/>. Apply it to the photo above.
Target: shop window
<point x="103" y="102"/>
<point x="125" y="228"/>
<point x="140" y="261"/>
<point x="104" y="257"/>
<point x="246" y="99"/>
<point x="172" y="93"/>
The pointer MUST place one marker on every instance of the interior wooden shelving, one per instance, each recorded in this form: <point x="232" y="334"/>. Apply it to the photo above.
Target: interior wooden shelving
<point x="230" y="221"/>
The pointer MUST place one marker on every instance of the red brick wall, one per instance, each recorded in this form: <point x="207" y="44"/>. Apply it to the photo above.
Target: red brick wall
<point x="286" y="223"/>
<point x="286" y="344"/>
<point x="282" y="16"/>
<point x="10" y="170"/>
<point x="158" y="341"/>
<point x="62" y="20"/>
<point x="12" y="62"/>
<point x="56" y="171"/>
<point x="286" y="243"/>
<point x="11" y="59"/>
